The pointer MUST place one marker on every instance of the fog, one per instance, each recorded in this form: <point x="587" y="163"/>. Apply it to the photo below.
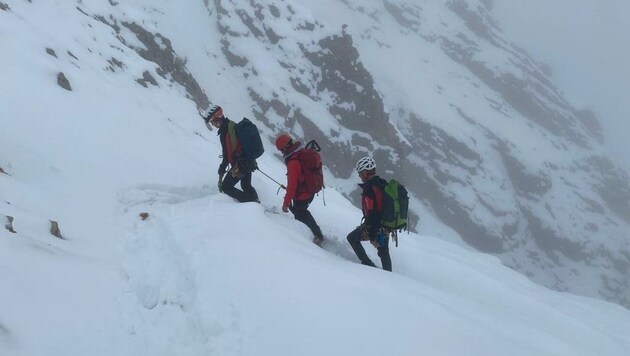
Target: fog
<point x="587" y="45"/>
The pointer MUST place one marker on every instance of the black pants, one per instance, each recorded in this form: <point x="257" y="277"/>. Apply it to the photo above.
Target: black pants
<point x="247" y="194"/>
<point x="299" y="208"/>
<point x="354" y="238"/>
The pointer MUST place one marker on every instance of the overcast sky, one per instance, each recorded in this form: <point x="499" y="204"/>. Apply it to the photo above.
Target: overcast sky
<point x="587" y="44"/>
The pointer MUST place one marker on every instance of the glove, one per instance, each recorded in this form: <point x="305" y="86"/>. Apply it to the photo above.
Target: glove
<point x="365" y="235"/>
<point x="285" y="209"/>
<point x="222" y="169"/>
<point x="246" y="165"/>
<point x="220" y="183"/>
<point x="236" y="171"/>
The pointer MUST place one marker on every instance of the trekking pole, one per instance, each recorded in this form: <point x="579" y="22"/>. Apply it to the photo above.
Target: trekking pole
<point x="281" y="186"/>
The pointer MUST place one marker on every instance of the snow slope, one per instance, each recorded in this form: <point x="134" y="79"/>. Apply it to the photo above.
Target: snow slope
<point x="185" y="284"/>
<point x="204" y="275"/>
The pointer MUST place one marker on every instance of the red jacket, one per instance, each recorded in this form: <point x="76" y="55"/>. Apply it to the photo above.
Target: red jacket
<point x="372" y="203"/>
<point x="295" y="181"/>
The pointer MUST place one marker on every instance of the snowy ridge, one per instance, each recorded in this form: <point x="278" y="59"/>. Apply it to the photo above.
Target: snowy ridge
<point x="204" y="275"/>
<point x="186" y="284"/>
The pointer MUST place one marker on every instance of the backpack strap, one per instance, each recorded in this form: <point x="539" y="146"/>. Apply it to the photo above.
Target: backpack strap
<point x="232" y="133"/>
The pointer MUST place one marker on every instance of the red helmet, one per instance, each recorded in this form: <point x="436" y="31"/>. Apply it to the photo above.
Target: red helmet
<point x="283" y="141"/>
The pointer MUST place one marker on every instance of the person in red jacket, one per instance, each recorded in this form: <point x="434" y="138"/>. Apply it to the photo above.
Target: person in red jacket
<point x="372" y="206"/>
<point x="297" y="199"/>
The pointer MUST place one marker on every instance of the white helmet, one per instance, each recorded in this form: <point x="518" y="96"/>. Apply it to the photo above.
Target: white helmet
<point x="213" y="113"/>
<point x="365" y="164"/>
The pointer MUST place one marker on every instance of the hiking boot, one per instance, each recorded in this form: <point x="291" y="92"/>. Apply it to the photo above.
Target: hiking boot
<point x="318" y="240"/>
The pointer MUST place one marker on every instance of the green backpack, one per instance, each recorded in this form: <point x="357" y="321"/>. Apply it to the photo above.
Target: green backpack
<point x="395" y="207"/>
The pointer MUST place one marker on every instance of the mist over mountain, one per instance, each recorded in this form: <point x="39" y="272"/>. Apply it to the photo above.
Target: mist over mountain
<point x="494" y="153"/>
<point x="585" y="45"/>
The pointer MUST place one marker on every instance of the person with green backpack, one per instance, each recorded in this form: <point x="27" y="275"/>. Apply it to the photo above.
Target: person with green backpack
<point x="371" y="228"/>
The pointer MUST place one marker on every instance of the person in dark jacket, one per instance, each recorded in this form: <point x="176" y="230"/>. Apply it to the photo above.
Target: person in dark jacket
<point x="240" y="168"/>
<point x="372" y="206"/>
<point x="297" y="199"/>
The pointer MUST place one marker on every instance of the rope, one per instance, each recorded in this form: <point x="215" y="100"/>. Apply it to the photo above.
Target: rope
<point x="281" y="186"/>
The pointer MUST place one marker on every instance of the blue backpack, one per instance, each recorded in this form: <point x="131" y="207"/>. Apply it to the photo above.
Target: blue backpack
<point x="249" y="137"/>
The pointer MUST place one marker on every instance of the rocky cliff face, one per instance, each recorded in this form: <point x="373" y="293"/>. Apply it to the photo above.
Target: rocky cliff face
<point x="474" y="127"/>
